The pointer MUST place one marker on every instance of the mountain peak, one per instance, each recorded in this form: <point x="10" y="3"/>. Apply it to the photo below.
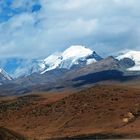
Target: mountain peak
<point x="73" y="57"/>
<point x="134" y="55"/>
<point x="4" y="76"/>
<point x="76" y="51"/>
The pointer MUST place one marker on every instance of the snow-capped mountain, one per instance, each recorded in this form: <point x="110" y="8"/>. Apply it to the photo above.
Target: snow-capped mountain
<point x="74" y="67"/>
<point x="4" y="76"/>
<point x="74" y="56"/>
<point x="134" y="55"/>
<point x="17" y="67"/>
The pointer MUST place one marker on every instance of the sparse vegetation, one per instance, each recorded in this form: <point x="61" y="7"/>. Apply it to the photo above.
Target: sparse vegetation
<point x="99" y="107"/>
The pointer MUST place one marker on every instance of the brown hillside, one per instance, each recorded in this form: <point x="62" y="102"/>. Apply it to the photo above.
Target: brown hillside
<point x="98" y="112"/>
<point x="6" y="134"/>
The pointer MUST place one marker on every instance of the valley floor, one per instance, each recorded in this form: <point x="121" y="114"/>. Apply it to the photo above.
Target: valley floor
<point x="105" y="111"/>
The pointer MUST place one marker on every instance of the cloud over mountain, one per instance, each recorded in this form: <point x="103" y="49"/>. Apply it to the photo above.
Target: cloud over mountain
<point x="40" y="27"/>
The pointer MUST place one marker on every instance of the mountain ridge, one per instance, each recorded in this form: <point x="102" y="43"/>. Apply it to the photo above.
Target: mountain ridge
<point x="77" y="74"/>
<point x="4" y="77"/>
<point x="134" y="55"/>
<point x="74" y="56"/>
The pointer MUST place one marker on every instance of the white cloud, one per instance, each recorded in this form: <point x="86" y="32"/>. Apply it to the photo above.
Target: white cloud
<point x="70" y="5"/>
<point x="101" y="24"/>
<point x="74" y="29"/>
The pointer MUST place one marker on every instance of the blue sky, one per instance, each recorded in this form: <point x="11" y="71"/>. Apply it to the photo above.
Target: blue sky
<point x="36" y="28"/>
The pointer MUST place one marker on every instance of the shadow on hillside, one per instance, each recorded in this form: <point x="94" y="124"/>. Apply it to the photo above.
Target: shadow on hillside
<point x="6" y="134"/>
<point x="101" y="76"/>
<point x="94" y="137"/>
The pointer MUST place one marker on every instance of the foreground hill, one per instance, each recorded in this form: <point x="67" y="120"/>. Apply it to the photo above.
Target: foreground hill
<point x="97" y="112"/>
<point x="6" y="134"/>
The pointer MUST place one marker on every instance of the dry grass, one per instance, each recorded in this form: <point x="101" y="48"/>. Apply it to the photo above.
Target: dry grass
<point x="113" y="110"/>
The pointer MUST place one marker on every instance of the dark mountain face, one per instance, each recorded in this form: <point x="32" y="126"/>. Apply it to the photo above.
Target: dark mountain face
<point x="94" y="55"/>
<point x="133" y="55"/>
<point x="37" y="78"/>
<point x="82" y="62"/>
<point x="3" y="79"/>
<point x="106" y="64"/>
<point x="126" y="63"/>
